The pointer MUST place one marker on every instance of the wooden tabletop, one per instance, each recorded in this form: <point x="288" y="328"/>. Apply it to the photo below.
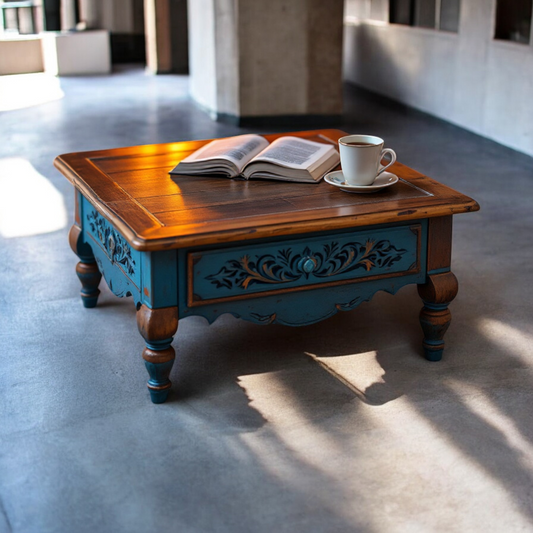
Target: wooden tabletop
<point x="131" y="187"/>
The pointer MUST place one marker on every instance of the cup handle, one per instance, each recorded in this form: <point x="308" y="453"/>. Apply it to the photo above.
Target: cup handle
<point x="392" y="154"/>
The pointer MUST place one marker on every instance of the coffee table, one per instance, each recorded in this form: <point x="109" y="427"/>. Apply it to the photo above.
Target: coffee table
<point x="265" y="251"/>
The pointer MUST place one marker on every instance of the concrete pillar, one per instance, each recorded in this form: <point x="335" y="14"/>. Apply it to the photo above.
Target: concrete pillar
<point x="257" y="59"/>
<point x="68" y="15"/>
<point x="157" y="32"/>
<point x="165" y="24"/>
<point x="179" y="36"/>
<point x="89" y="13"/>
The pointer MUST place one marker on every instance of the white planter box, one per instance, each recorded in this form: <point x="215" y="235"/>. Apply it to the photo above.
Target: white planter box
<point x="71" y="53"/>
<point x="20" y="55"/>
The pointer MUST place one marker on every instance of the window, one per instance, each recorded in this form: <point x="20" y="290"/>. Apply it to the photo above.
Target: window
<point x="437" y="14"/>
<point x="513" y="20"/>
<point x="449" y="15"/>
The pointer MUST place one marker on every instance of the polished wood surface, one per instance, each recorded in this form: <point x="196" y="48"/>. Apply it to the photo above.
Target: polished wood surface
<point x="439" y="243"/>
<point x="156" y="325"/>
<point x="131" y="187"/>
<point x="435" y="317"/>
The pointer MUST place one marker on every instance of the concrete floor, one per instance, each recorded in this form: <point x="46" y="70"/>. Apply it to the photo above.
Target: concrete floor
<point x="258" y="436"/>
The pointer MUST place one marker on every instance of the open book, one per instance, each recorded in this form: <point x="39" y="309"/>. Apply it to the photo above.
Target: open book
<point x="251" y="156"/>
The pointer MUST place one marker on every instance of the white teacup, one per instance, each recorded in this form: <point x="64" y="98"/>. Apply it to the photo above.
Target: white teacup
<point x="361" y="157"/>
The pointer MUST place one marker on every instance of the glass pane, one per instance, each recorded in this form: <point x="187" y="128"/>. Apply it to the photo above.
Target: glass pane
<point x="449" y="15"/>
<point x="425" y="13"/>
<point x="513" y="20"/>
<point x="379" y="10"/>
<point x="401" y="12"/>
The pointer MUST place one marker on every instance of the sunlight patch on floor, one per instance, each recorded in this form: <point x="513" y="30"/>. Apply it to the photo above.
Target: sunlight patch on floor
<point x="375" y="466"/>
<point x="513" y="340"/>
<point x="29" y="203"/>
<point x="358" y="372"/>
<point x="26" y="90"/>
<point x="290" y="411"/>
<point x="480" y="403"/>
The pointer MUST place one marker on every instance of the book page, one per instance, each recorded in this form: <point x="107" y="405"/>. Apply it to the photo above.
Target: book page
<point x="294" y="152"/>
<point x="239" y="150"/>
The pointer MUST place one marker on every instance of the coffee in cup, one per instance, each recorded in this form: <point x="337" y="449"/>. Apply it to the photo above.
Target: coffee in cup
<point x="361" y="157"/>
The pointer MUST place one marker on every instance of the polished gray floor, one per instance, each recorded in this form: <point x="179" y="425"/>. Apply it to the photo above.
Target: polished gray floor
<point x="259" y="435"/>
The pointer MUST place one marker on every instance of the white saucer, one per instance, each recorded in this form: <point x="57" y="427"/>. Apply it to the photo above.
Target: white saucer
<point x="385" y="179"/>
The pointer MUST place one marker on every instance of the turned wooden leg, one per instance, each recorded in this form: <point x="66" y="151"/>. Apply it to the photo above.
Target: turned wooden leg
<point x="157" y="326"/>
<point x="86" y="269"/>
<point x="435" y="317"/>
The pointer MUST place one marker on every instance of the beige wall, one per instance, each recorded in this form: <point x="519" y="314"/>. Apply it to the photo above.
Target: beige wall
<point x="467" y="78"/>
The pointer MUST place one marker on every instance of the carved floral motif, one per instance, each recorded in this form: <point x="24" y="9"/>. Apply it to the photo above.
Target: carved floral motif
<point x="286" y="266"/>
<point x="116" y="248"/>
